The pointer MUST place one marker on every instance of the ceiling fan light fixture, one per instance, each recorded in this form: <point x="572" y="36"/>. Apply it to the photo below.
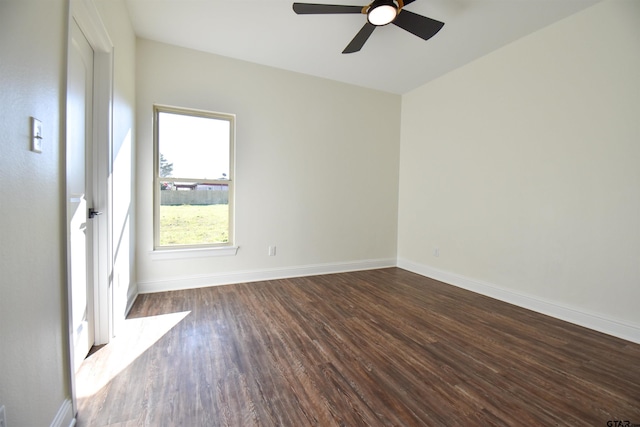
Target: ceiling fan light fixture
<point x="382" y="12"/>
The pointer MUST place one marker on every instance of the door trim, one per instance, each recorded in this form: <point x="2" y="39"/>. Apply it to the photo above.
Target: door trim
<point x="86" y="15"/>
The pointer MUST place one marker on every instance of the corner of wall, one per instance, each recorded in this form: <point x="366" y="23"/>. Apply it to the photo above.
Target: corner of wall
<point x="596" y="322"/>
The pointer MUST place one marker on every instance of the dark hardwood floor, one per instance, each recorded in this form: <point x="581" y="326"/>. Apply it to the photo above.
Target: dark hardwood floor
<point x="373" y="348"/>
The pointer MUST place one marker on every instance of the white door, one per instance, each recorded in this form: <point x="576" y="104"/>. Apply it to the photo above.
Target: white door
<point x="79" y="197"/>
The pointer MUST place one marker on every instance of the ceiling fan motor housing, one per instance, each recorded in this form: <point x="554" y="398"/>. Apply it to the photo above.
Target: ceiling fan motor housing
<point x="382" y="12"/>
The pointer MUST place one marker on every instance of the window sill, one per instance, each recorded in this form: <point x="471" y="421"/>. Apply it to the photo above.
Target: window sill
<point x="164" y="254"/>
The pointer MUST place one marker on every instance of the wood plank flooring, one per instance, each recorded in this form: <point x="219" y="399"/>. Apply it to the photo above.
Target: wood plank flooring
<point x="374" y="348"/>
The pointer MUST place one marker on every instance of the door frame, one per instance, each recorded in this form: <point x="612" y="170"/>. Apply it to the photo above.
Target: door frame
<point x="86" y="15"/>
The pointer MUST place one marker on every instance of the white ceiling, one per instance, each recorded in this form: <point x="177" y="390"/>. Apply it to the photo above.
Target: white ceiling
<point x="268" y="32"/>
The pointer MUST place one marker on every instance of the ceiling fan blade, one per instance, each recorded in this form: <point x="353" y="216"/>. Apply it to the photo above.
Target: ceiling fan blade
<point x="406" y="2"/>
<point x="360" y="38"/>
<point x="313" y="8"/>
<point x="418" y="25"/>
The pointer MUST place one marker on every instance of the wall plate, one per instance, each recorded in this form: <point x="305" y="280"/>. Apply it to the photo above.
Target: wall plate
<point x="36" y="135"/>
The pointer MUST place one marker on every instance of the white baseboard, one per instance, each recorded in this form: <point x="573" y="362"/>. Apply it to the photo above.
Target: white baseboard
<point x="64" y="417"/>
<point x="132" y="294"/>
<point x="572" y="315"/>
<point x="204" y="280"/>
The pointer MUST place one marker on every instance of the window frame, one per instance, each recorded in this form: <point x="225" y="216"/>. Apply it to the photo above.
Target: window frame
<point x="157" y="179"/>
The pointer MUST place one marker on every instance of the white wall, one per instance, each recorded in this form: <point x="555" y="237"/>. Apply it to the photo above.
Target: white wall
<point x="33" y="333"/>
<point x="316" y="173"/>
<point x="523" y="169"/>
<point x="34" y="374"/>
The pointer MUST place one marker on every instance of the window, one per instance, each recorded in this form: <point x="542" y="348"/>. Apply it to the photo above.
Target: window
<point x="193" y="197"/>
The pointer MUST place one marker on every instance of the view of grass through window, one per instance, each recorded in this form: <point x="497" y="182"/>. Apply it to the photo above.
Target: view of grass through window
<point x="194" y="178"/>
<point x="192" y="225"/>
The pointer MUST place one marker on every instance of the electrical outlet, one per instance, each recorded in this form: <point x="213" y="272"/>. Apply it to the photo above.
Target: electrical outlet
<point x="272" y="251"/>
<point x="436" y="252"/>
<point x="3" y="418"/>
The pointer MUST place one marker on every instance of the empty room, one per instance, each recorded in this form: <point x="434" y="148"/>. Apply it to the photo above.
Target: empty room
<point x="267" y="213"/>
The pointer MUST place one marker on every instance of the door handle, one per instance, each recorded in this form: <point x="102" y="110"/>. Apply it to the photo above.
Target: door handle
<point x="93" y="213"/>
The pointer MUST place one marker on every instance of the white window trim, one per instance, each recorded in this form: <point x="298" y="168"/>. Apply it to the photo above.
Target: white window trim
<point x="166" y="254"/>
<point x="192" y="251"/>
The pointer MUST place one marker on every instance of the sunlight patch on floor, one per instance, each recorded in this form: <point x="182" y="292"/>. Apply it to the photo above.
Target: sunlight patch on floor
<point x="138" y="335"/>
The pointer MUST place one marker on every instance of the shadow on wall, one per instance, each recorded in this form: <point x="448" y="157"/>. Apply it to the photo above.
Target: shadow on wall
<point x="124" y="289"/>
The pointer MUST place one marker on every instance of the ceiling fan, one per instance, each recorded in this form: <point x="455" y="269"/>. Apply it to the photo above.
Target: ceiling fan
<point x="379" y="13"/>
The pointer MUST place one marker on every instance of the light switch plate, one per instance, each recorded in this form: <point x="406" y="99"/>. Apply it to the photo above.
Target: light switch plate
<point x="36" y="135"/>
